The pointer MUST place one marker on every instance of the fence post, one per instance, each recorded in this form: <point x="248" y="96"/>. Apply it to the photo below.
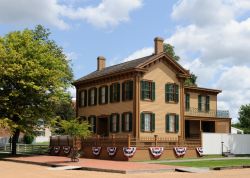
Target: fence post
<point x="156" y="140"/>
<point x="222" y="148"/>
<point x="129" y="138"/>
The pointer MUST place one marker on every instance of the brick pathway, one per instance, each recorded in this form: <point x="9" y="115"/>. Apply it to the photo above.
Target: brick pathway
<point x="94" y="164"/>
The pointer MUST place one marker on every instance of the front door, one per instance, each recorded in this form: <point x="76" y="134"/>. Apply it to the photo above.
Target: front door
<point x="102" y="126"/>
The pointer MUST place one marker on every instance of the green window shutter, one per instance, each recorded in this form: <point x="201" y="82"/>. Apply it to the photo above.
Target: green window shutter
<point x="187" y="101"/>
<point x="123" y="122"/>
<point x="176" y="123"/>
<point x="153" y="91"/>
<point x="176" y="93"/>
<point x="207" y="103"/>
<point x="100" y="95"/>
<point x="89" y="98"/>
<point x="117" y="122"/>
<point x="111" y="93"/>
<point x="167" y="123"/>
<point x="142" y="90"/>
<point x="95" y="102"/>
<point x="167" y="87"/>
<point x="106" y="94"/>
<point x="118" y="91"/>
<point x="123" y="91"/>
<point x="199" y="103"/>
<point x="131" y="89"/>
<point x="110" y="123"/>
<point x="85" y="98"/>
<point x="94" y="125"/>
<point x="153" y="122"/>
<point x="130" y="122"/>
<point x="142" y="122"/>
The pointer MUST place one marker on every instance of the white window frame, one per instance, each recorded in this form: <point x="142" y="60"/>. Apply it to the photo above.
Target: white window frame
<point x="147" y="122"/>
<point x="92" y="96"/>
<point x="126" y="120"/>
<point x="103" y="95"/>
<point x="171" y="123"/>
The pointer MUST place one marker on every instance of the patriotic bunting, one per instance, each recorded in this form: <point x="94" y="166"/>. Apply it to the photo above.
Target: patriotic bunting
<point x="129" y="151"/>
<point x="66" y="149"/>
<point x="111" y="151"/>
<point x="180" y="151"/>
<point x="96" y="150"/>
<point x="56" y="149"/>
<point x="156" y="151"/>
<point x="199" y="151"/>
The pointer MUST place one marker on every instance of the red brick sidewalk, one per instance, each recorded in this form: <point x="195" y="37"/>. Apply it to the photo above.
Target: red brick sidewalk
<point x="94" y="164"/>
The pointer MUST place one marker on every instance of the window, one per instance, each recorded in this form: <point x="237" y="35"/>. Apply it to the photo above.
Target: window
<point x="127" y="122"/>
<point x="83" y="98"/>
<point x="187" y="101"/>
<point x="92" y="96"/>
<point x="147" y="122"/>
<point x="92" y="122"/>
<point x="114" y="123"/>
<point x="115" y="92"/>
<point x="172" y="92"/>
<point x="203" y="103"/>
<point x="127" y="90"/>
<point x="103" y="95"/>
<point x="147" y="90"/>
<point x="172" y="123"/>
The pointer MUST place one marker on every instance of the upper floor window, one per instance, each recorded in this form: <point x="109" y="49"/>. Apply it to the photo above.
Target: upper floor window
<point x="172" y="92"/>
<point x="92" y="96"/>
<point x="83" y="98"/>
<point x="187" y="101"/>
<point x="115" y="92"/>
<point x="103" y="95"/>
<point x="127" y="122"/>
<point x="172" y="123"/>
<point x="147" y="90"/>
<point x="114" y="123"/>
<point x="147" y="122"/>
<point x="203" y="103"/>
<point x="92" y="122"/>
<point x="127" y="90"/>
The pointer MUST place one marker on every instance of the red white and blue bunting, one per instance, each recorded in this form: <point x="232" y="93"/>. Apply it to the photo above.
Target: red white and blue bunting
<point x="96" y="150"/>
<point x="66" y="149"/>
<point x="56" y="149"/>
<point x="129" y="151"/>
<point x="199" y="151"/>
<point x="180" y="151"/>
<point x="111" y="151"/>
<point x="156" y="151"/>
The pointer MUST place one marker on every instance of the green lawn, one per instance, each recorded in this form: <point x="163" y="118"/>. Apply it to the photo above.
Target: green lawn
<point x="210" y="163"/>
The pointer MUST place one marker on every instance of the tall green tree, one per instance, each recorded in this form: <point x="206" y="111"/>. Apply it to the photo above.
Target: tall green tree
<point x="35" y="74"/>
<point x="244" y="118"/>
<point x="169" y="49"/>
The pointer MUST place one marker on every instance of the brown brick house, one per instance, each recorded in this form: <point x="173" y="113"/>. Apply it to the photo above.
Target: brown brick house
<point x="146" y="98"/>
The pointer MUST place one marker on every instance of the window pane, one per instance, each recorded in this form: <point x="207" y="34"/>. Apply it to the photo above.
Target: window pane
<point x="147" y="122"/>
<point x="92" y="94"/>
<point x="103" y="95"/>
<point x="203" y="103"/>
<point x="114" y="123"/>
<point x="171" y="123"/>
<point x="82" y="98"/>
<point x="127" y="122"/>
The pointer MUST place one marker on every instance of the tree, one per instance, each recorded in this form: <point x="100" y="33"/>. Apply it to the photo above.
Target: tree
<point x="244" y="118"/>
<point x="169" y="49"/>
<point x="35" y="74"/>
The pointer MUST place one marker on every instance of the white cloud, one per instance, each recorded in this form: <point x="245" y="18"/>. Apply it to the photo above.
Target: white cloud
<point x="140" y="53"/>
<point x="108" y="13"/>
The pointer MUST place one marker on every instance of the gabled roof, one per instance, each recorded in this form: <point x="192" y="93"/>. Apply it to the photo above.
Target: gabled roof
<point x="136" y="64"/>
<point x="194" y="88"/>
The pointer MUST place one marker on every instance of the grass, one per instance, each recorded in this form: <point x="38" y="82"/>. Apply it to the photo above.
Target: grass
<point x="212" y="163"/>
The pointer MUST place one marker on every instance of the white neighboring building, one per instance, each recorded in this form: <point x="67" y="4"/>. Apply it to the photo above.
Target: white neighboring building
<point x="236" y="131"/>
<point x="43" y="136"/>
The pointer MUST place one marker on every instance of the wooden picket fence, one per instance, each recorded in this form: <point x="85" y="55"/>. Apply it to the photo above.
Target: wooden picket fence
<point x="27" y="148"/>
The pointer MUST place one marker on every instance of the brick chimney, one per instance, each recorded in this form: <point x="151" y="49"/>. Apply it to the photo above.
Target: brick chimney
<point x="158" y="45"/>
<point x="101" y="63"/>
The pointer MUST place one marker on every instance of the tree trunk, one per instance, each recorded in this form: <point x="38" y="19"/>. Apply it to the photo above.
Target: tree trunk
<point x="14" y="141"/>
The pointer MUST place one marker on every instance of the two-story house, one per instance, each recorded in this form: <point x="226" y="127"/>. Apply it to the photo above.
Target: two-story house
<point x="146" y="98"/>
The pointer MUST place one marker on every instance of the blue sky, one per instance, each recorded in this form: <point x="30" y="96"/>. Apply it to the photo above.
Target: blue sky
<point x="211" y="37"/>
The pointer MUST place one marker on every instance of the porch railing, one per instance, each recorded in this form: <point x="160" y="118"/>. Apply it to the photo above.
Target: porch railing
<point x="210" y="113"/>
<point x="142" y="143"/>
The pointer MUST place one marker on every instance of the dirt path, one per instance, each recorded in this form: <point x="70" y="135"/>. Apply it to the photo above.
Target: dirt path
<point x="15" y="170"/>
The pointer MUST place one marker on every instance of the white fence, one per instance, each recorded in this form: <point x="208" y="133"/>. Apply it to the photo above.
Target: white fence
<point x="234" y="143"/>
